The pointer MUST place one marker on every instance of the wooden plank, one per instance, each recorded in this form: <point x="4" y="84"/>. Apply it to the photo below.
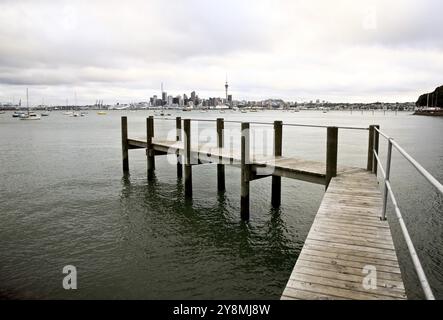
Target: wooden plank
<point x="344" y="293"/>
<point x="352" y="251"/>
<point x="380" y="288"/>
<point x="136" y="144"/>
<point x="355" y="264"/>
<point x="349" y="290"/>
<point x="348" y="257"/>
<point x="345" y="277"/>
<point x="346" y="269"/>
<point x="351" y="234"/>
<point x="361" y="241"/>
<point x="298" y="294"/>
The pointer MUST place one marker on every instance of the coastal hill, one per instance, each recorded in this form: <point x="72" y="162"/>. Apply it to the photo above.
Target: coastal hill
<point x="435" y="99"/>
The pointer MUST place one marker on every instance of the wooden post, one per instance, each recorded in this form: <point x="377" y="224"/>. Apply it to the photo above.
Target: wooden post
<point x="245" y="171"/>
<point x="370" y="149"/>
<point x="178" y="124"/>
<point x="188" y="166"/>
<point x="376" y="142"/>
<point x="276" y="180"/>
<point x="125" y="146"/>
<point x="220" y="167"/>
<point x="150" y="154"/>
<point x="331" y="154"/>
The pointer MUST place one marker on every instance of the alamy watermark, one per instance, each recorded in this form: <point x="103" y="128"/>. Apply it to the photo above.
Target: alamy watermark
<point x="258" y="142"/>
<point x="370" y="280"/>
<point x="70" y="280"/>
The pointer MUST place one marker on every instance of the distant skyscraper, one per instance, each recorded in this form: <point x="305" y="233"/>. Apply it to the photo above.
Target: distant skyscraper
<point x="164" y="95"/>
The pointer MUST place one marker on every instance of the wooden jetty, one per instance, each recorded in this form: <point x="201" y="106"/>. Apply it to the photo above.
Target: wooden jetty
<point x="346" y="237"/>
<point x="348" y="240"/>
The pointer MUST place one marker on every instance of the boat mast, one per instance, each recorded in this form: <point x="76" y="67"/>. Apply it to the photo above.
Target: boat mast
<point x="27" y="100"/>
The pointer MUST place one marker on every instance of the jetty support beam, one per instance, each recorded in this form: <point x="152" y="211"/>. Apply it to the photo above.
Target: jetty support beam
<point x="331" y="154"/>
<point x="373" y="145"/>
<point x="220" y="167"/>
<point x="188" y="164"/>
<point x="178" y="124"/>
<point x="245" y="171"/>
<point x="125" y="145"/>
<point x="376" y="142"/>
<point x="150" y="153"/>
<point x="276" y="180"/>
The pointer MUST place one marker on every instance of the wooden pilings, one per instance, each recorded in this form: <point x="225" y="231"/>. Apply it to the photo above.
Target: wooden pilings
<point x="289" y="168"/>
<point x="220" y="167"/>
<point x="125" y="146"/>
<point x="276" y="180"/>
<point x="187" y="151"/>
<point x="376" y="142"/>
<point x="370" y="149"/>
<point x="178" y="125"/>
<point x="331" y="154"/>
<point x="373" y="144"/>
<point x="150" y="153"/>
<point x="245" y="171"/>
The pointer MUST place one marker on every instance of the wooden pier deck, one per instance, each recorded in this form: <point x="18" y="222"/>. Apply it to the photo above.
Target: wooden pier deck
<point x="347" y="238"/>
<point x="288" y="167"/>
<point x="349" y="252"/>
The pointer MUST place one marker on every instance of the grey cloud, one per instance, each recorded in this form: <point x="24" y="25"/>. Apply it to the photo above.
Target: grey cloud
<point x="288" y="48"/>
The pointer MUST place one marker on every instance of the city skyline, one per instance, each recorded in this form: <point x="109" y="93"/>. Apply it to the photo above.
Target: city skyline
<point x="297" y="51"/>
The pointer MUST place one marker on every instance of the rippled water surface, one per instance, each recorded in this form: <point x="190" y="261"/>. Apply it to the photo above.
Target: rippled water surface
<point x="64" y="200"/>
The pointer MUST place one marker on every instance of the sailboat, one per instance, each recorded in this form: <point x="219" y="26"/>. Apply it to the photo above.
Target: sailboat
<point x="29" y="115"/>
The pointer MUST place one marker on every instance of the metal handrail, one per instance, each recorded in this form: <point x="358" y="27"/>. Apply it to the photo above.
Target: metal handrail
<point x="388" y="191"/>
<point x="269" y="123"/>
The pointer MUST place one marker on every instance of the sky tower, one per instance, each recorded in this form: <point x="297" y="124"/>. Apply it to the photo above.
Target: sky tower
<point x="226" y="87"/>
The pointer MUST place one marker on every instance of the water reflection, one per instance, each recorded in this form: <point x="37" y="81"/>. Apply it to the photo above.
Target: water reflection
<point x="176" y="230"/>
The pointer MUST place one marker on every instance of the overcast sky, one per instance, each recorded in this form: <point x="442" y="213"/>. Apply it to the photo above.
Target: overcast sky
<point x="298" y="50"/>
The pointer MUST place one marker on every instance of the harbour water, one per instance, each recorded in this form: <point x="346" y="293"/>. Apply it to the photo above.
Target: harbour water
<point x="65" y="201"/>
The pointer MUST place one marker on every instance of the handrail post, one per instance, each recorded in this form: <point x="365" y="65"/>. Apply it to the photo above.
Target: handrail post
<point x="370" y="148"/>
<point x="220" y="166"/>
<point x="188" y="165"/>
<point x="125" y="147"/>
<point x="276" y="180"/>
<point x="178" y="124"/>
<point x="376" y="142"/>
<point x="150" y="153"/>
<point x="245" y="171"/>
<point x="387" y="175"/>
<point x="331" y="154"/>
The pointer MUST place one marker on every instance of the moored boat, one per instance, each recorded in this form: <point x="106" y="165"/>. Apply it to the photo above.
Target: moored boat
<point x="30" y="116"/>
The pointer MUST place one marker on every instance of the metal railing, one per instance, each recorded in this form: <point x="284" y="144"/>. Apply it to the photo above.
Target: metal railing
<point x="266" y="123"/>
<point x="387" y="190"/>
